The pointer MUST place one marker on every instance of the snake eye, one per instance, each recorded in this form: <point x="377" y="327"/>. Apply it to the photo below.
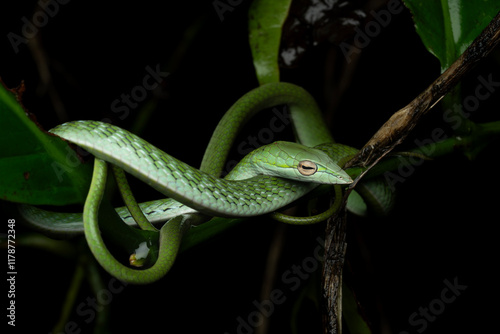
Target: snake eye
<point x="307" y="167"/>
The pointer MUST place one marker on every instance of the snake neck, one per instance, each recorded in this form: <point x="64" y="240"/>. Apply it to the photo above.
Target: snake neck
<point x="245" y="169"/>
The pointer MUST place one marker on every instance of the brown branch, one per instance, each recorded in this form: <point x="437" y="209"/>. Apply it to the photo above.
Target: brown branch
<point x="392" y="133"/>
<point x="397" y="128"/>
<point x="335" y="248"/>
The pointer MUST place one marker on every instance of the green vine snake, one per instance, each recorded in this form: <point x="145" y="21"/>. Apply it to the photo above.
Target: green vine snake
<point x="264" y="181"/>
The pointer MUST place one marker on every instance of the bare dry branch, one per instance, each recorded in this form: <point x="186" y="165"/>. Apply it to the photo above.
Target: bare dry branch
<point x="401" y="123"/>
<point x="392" y="133"/>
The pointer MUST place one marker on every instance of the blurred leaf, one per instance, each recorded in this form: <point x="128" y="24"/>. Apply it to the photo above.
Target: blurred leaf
<point x="36" y="167"/>
<point x="448" y="27"/>
<point x="266" y="19"/>
<point x="206" y="231"/>
<point x="352" y="314"/>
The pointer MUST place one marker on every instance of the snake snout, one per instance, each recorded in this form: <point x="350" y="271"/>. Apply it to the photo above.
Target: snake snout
<point x="342" y="177"/>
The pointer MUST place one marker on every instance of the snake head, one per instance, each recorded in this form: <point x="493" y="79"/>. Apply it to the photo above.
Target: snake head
<point x="297" y="162"/>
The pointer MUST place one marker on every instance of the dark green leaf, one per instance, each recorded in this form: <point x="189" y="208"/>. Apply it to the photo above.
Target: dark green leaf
<point x="202" y="233"/>
<point x="448" y="27"/>
<point x="36" y="167"/>
<point x="266" y="19"/>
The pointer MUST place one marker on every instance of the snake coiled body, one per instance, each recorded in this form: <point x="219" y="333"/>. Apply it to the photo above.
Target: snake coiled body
<point x="267" y="179"/>
<point x="188" y="185"/>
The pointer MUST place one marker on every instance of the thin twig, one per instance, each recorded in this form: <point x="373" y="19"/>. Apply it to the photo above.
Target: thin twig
<point x="46" y="83"/>
<point x="270" y="272"/>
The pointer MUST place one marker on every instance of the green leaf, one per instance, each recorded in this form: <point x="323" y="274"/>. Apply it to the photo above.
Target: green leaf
<point x="352" y="314"/>
<point x="448" y="27"/>
<point x="266" y="20"/>
<point x="36" y="167"/>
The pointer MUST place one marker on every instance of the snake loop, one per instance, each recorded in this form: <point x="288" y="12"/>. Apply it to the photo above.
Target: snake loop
<point x="264" y="181"/>
<point x="170" y="236"/>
